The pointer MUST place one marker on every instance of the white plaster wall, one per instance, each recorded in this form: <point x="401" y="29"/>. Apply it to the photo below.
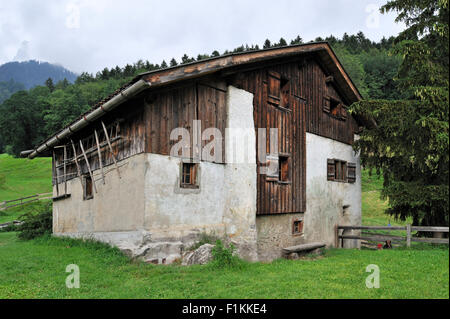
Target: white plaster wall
<point x="175" y="212"/>
<point x="240" y="175"/>
<point x="325" y="199"/>
<point x="117" y="206"/>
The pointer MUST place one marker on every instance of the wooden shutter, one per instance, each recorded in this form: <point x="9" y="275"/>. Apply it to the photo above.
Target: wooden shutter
<point x="330" y="169"/>
<point x="343" y="112"/>
<point x="272" y="166"/>
<point x="326" y="104"/>
<point x="351" y="172"/>
<point x="274" y="87"/>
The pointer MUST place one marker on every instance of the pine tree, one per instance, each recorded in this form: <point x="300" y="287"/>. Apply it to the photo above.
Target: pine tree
<point x="173" y="62"/>
<point x="49" y="84"/>
<point x="267" y="44"/>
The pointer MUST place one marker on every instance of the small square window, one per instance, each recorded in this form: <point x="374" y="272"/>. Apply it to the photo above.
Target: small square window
<point x="337" y="170"/>
<point x="297" y="227"/>
<point x="87" y="188"/>
<point x="189" y="175"/>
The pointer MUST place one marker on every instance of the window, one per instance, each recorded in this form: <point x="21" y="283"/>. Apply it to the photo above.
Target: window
<point x="278" y="168"/>
<point x="334" y="108"/>
<point x="337" y="170"/>
<point x="87" y="191"/>
<point x="278" y="90"/>
<point x="297" y="227"/>
<point x="189" y="175"/>
<point x="283" y="168"/>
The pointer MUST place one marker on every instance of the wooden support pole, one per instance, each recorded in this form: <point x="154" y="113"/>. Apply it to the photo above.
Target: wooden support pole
<point x="65" y="170"/>
<point x="88" y="166"/>
<point x="55" y="173"/>
<point x="99" y="155"/>
<point x="110" y="148"/>
<point x="408" y="235"/>
<point x="76" y="162"/>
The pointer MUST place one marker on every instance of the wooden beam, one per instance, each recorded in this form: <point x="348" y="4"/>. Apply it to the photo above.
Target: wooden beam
<point x="65" y="169"/>
<point x="438" y="229"/>
<point x="373" y="227"/>
<point x="76" y="162"/>
<point x="110" y="148"/>
<point x="88" y="166"/>
<point x="99" y="155"/>
<point x="55" y="173"/>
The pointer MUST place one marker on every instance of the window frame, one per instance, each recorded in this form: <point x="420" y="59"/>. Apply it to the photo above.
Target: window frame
<point x="193" y="175"/>
<point x="337" y="170"/>
<point x="284" y="159"/>
<point x="279" y="90"/>
<point x="300" y="227"/>
<point x="87" y="195"/>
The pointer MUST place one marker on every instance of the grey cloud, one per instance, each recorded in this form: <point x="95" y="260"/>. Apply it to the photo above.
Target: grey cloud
<point x="118" y="32"/>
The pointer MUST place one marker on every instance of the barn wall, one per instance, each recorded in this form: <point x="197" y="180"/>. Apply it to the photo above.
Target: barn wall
<point x="325" y="199"/>
<point x="148" y="215"/>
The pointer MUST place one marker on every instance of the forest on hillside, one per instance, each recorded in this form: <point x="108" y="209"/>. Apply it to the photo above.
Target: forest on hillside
<point x="29" y="116"/>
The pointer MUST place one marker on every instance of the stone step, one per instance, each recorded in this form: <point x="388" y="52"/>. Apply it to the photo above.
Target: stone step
<point x="304" y="247"/>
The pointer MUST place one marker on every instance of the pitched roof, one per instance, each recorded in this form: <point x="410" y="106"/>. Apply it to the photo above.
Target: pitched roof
<point x="201" y="68"/>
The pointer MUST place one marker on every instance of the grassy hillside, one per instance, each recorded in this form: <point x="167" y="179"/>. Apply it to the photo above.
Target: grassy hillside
<point x="21" y="177"/>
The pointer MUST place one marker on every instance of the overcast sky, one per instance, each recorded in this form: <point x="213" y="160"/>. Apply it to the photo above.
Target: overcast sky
<point x="87" y="35"/>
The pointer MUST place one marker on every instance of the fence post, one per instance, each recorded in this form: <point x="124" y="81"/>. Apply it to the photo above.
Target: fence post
<point x="408" y="235"/>
<point x="336" y="234"/>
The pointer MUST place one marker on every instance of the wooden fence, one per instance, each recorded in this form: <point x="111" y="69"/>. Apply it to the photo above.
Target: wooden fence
<point x="24" y="200"/>
<point x="395" y="239"/>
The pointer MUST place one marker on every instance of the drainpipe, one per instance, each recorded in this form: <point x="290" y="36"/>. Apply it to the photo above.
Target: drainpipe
<point x="118" y="99"/>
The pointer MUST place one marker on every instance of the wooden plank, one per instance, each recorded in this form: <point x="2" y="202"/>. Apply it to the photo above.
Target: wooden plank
<point x="373" y="227"/>
<point x="55" y="173"/>
<point x="430" y="229"/>
<point x="382" y="237"/>
<point x="76" y="163"/>
<point x="110" y="148"/>
<point x="304" y="247"/>
<point x="88" y="166"/>
<point x="99" y="155"/>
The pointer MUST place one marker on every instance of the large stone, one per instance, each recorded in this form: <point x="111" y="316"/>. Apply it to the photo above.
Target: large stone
<point x="200" y="256"/>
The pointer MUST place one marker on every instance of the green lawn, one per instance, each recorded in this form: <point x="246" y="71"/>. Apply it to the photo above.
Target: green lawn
<point x="36" y="269"/>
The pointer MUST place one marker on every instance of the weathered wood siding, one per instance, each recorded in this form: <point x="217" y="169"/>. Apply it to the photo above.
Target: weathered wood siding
<point x="274" y="197"/>
<point x="308" y="88"/>
<point x="179" y="107"/>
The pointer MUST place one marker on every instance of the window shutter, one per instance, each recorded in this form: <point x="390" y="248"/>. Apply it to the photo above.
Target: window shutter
<point x="274" y="87"/>
<point x="326" y="105"/>
<point x="272" y="166"/>
<point x="351" y="172"/>
<point x="330" y="169"/>
<point x="343" y="112"/>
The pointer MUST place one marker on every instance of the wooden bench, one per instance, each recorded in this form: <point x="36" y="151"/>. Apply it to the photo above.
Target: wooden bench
<point x="293" y="251"/>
